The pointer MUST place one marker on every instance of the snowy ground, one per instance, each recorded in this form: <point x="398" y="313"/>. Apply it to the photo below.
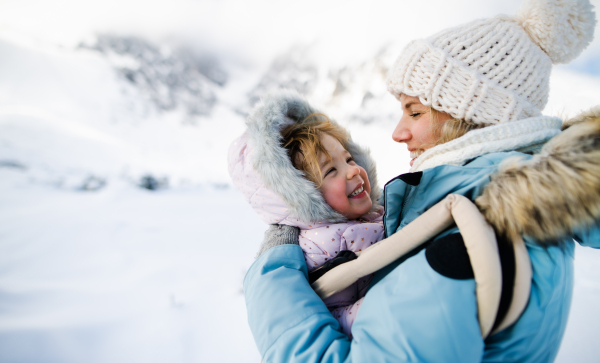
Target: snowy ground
<point x="123" y="274"/>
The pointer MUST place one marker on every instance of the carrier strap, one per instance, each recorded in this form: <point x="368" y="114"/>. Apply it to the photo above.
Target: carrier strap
<point x="480" y="241"/>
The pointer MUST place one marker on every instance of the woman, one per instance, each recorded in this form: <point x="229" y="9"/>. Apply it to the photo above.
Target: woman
<point x="471" y="97"/>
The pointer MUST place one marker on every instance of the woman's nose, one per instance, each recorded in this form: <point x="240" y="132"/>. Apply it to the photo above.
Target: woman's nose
<point x="401" y="133"/>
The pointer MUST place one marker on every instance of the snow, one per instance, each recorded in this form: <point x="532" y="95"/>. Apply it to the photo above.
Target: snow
<point x="124" y="274"/>
<point x="119" y="273"/>
<point x="584" y="317"/>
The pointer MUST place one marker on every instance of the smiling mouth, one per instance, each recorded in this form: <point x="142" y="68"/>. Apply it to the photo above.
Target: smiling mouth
<point x="356" y="192"/>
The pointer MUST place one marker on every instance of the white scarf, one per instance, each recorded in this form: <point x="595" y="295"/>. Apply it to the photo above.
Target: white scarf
<point x="524" y="135"/>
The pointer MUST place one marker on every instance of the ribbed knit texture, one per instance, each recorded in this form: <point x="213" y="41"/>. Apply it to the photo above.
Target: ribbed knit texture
<point x="277" y="235"/>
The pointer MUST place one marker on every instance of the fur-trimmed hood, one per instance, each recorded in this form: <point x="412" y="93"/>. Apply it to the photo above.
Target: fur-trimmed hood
<point x="553" y="194"/>
<point x="261" y="169"/>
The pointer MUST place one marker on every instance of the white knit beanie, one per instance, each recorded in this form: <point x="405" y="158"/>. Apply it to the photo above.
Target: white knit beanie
<point x="495" y="70"/>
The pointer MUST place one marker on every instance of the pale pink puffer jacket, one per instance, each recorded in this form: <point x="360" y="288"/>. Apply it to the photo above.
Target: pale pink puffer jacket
<point x="261" y="169"/>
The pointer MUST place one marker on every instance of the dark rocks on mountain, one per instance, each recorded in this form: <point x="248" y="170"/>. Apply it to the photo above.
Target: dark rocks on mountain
<point x="206" y="64"/>
<point x="290" y="70"/>
<point x="357" y="88"/>
<point x="168" y="78"/>
<point x="366" y="98"/>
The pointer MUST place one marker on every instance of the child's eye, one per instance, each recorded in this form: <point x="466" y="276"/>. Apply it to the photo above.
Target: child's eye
<point x="329" y="172"/>
<point x="350" y="160"/>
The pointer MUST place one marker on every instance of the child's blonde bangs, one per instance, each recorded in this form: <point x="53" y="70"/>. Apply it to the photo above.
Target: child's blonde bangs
<point x="303" y="143"/>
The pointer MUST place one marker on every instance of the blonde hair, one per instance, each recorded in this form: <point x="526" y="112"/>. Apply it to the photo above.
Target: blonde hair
<point x="451" y="129"/>
<point x="304" y="147"/>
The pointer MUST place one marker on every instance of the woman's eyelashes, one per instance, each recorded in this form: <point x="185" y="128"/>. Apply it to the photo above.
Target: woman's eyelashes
<point x="416" y="114"/>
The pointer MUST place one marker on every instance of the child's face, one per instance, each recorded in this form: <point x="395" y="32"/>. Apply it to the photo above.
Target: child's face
<point x="345" y="185"/>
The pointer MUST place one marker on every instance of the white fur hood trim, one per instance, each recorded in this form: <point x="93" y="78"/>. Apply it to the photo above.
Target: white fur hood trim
<point x="260" y="167"/>
<point x="524" y="135"/>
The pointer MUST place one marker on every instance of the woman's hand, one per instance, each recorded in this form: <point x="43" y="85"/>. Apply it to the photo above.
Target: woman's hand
<point x="276" y="235"/>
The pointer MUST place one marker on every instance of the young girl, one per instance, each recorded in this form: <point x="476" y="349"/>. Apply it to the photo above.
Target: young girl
<point x="297" y="167"/>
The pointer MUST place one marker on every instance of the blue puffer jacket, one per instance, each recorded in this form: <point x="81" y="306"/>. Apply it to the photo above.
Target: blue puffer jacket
<point x="411" y="313"/>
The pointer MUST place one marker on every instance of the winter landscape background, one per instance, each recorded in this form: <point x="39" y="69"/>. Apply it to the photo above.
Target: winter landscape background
<point x="121" y="238"/>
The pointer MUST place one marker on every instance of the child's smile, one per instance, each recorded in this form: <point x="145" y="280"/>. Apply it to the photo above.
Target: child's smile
<point x="345" y="185"/>
<point x="357" y="193"/>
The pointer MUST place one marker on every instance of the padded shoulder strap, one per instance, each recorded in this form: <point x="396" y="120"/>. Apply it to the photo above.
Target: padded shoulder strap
<point x="479" y="239"/>
<point x="521" y="286"/>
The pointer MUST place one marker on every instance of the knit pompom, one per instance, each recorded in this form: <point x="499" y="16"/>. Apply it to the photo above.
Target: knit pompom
<point x="562" y="28"/>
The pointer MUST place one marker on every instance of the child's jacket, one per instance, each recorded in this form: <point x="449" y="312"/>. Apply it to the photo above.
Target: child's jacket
<point x="261" y="169"/>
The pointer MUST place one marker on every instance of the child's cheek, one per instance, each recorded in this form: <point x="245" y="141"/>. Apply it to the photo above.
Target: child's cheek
<point x="335" y="195"/>
<point x="340" y="190"/>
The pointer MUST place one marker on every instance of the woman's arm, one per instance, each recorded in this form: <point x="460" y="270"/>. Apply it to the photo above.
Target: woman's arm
<point x="289" y="322"/>
<point x="412" y="314"/>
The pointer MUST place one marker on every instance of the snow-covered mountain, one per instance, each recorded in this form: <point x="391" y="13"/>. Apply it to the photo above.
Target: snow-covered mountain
<point x="167" y="78"/>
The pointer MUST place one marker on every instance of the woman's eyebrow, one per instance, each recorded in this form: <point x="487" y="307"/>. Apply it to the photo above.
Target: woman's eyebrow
<point x="409" y="104"/>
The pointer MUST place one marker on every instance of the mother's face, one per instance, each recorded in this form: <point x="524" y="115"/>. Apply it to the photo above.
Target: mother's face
<point x="416" y="128"/>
